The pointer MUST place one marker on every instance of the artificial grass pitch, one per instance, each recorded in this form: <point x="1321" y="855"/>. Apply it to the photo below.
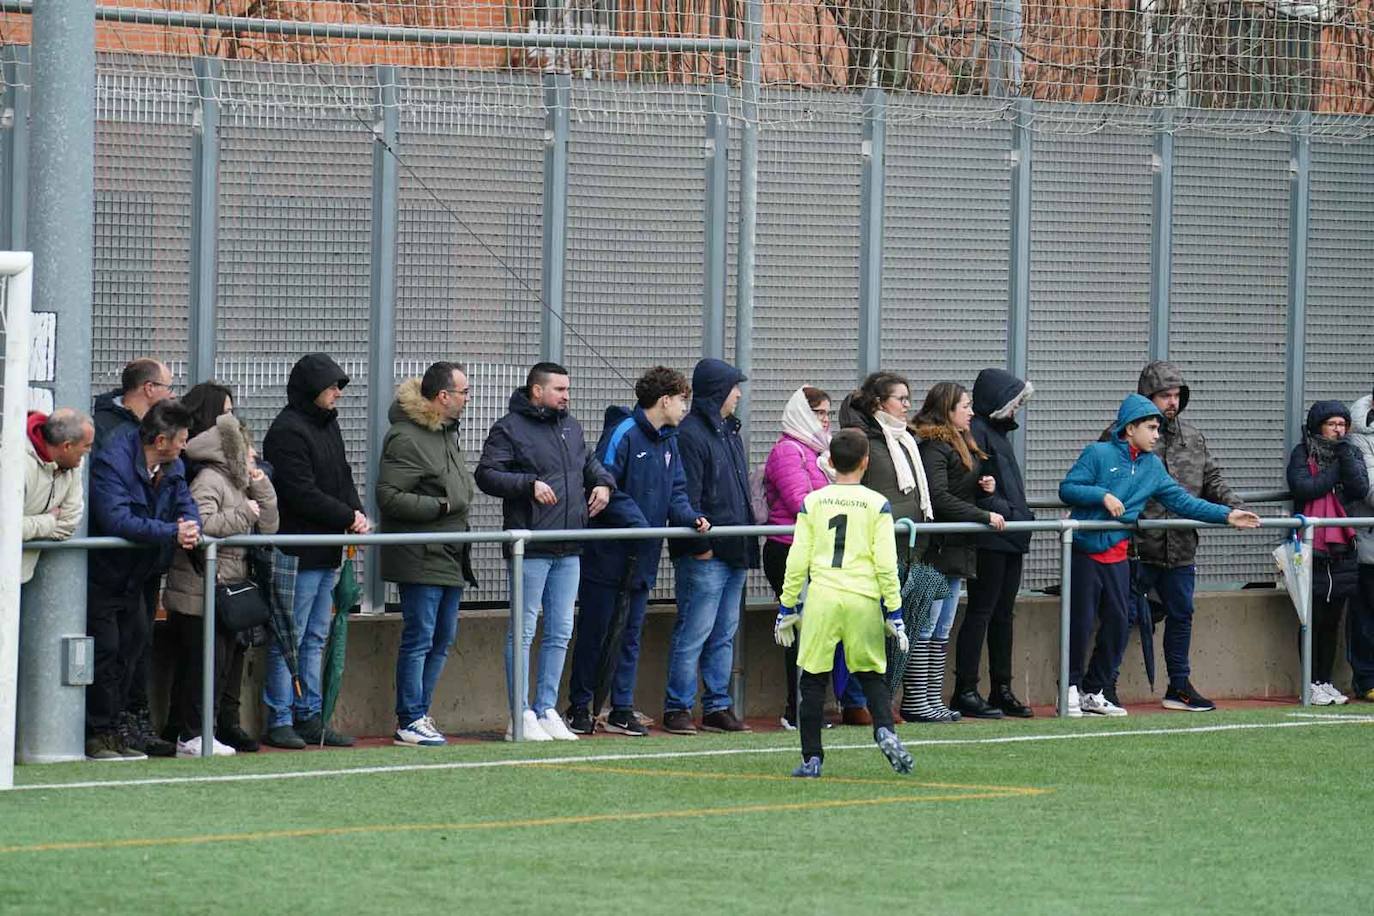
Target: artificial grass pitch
<point x="1269" y="815"/>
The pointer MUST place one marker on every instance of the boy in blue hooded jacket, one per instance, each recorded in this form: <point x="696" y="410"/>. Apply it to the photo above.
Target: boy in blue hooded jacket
<point x="1114" y="480"/>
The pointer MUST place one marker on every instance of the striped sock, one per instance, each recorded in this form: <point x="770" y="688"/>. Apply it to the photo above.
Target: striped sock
<point x="935" y="680"/>
<point x="915" y="702"/>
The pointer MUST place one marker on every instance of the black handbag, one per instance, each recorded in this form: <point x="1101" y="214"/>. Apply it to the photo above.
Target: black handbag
<point x="239" y="606"/>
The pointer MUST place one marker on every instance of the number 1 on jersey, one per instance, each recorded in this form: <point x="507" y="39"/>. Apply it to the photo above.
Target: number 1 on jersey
<point x="841" y="524"/>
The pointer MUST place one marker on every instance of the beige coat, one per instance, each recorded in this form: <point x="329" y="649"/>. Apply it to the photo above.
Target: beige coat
<point x="46" y="486"/>
<point x="221" y="490"/>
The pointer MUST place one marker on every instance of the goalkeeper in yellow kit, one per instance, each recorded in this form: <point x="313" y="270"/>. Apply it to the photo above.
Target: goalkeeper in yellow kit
<point x="845" y="545"/>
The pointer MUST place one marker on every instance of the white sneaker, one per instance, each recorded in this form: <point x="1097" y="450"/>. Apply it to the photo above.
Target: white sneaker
<point x="1318" y="694"/>
<point x="420" y="733"/>
<point x="191" y="748"/>
<point x="533" y="730"/>
<point x="1098" y="705"/>
<point x="555" y="727"/>
<point x="1075" y="710"/>
<point x="1335" y="694"/>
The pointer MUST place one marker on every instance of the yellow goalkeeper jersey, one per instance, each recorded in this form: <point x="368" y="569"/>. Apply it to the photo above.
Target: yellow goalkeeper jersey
<point x="844" y="541"/>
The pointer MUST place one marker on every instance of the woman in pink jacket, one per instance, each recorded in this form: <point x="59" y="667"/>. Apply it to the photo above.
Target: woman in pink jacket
<point x="797" y="465"/>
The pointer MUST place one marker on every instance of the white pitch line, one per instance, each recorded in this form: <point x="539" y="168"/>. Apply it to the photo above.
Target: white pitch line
<point x="1308" y="721"/>
<point x="1343" y="716"/>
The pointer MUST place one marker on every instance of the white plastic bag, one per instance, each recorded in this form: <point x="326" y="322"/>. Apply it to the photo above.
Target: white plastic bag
<point x="1294" y="560"/>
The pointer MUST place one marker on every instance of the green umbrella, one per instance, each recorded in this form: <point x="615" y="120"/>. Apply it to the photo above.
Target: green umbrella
<point x="346" y="595"/>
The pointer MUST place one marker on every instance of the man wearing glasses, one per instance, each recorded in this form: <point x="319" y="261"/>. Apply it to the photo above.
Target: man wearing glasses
<point x="143" y="383"/>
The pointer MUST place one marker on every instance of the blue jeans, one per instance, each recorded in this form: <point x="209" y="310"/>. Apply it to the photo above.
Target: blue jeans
<point x="708" y="596"/>
<point x="597" y="606"/>
<point x="550" y="584"/>
<point x="429" y="625"/>
<point x="310" y="612"/>
<point x="942" y="612"/>
<point x="1175" y="588"/>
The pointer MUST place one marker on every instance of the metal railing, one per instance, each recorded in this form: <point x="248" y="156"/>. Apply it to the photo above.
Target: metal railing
<point x="520" y="539"/>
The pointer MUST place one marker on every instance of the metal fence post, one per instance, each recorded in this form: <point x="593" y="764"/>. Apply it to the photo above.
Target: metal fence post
<point x="1305" y="624"/>
<point x="52" y="713"/>
<point x="381" y="349"/>
<point x="557" y="103"/>
<point x="14" y="141"/>
<point x="1300" y="166"/>
<point x="1019" y="269"/>
<point x="1161" y="234"/>
<point x="1004" y="57"/>
<point x="1065" y="614"/>
<point x="204" y="220"/>
<point x="871" y="212"/>
<point x="520" y="691"/>
<point x="717" y="215"/>
<point x="208" y="694"/>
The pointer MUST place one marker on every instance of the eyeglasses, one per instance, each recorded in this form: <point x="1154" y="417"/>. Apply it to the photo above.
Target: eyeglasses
<point x="903" y="400"/>
<point x="159" y="385"/>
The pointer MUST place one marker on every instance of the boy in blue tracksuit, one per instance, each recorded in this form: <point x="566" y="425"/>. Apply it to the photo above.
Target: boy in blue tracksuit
<point x="1114" y="480"/>
<point x="640" y="449"/>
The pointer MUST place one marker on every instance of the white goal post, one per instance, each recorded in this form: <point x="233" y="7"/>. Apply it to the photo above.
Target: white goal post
<point x="16" y="290"/>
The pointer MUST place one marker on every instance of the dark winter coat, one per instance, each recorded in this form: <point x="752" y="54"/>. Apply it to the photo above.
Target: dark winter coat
<point x="954" y="493"/>
<point x="717" y="467"/>
<point x="1334" y="575"/>
<point x="529" y="444"/>
<point x="124" y="504"/>
<point x="994" y="390"/>
<point x="881" y="475"/>
<point x="650" y="492"/>
<point x="1184" y="452"/>
<point x="423" y="484"/>
<point x="110" y="416"/>
<point x="311" y="473"/>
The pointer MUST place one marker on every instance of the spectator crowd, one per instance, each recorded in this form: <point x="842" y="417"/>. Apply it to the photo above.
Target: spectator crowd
<point x="164" y="471"/>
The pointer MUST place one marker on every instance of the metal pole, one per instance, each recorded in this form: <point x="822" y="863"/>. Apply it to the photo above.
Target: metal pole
<point x="207" y="653"/>
<point x="871" y="213"/>
<point x="557" y="103"/>
<point x="519" y="689"/>
<point x="1065" y="615"/>
<point x="717" y="216"/>
<point x="1299" y="199"/>
<point x="1305" y="625"/>
<point x="381" y="350"/>
<point x="14" y="141"/>
<point x="204" y="220"/>
<point x="1162" y="234"/>
<point x="1004" y="61"/>
<point x="1019" y="271"/>
<point x="61" y="203"/>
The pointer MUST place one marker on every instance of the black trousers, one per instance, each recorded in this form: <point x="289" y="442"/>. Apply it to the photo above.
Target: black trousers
<point x="230" y="698"/>
<point x="118" y="625"/>
<point x="1326" y="629"/>
<point x="141" y="680"/>
<point x="989" y="614"/>
<point x="188" y="640"/>
<point x="811" y="715"/>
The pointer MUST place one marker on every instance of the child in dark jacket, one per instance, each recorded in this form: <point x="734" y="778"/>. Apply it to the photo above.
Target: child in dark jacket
<point x="1114" y="480"/>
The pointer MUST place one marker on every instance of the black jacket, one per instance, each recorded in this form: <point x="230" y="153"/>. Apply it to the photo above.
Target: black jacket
<point x="994" y="390"/>
<point x="533" y="443"/>
<point x="954" y="492"/>
<point x="110" y="417"/>
<point x="717" y="466"/>
<point x="312" y="476"/>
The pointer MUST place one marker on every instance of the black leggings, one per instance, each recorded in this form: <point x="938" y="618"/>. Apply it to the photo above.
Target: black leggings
<point x="991" y="605"/>
<point x="811" y="716"/>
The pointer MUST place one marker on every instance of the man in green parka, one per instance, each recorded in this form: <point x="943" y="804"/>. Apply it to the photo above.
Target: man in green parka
<point x="423" y="484"/>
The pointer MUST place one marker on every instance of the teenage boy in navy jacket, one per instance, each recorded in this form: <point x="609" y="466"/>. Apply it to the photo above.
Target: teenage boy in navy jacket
<point x="1114" y="480"/>
<point x="640" y="450"/>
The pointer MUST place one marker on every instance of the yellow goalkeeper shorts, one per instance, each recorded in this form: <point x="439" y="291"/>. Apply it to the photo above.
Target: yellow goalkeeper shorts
<point x="830" y="617"/>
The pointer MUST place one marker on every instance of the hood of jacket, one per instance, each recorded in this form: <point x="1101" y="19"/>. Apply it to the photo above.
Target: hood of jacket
<point x="411" y="405"/>
<point x="1321" y="411"/>
<point x="520" y="403"/>
<point x="223" y="447"/>
<point x="37" y="444"/>
<point x="313" y="373"/>
<point x="1362" y="416"/>
<point x="852" y="418"/>
<point x="712" y="381"/>
<point x="1162" y="375"/>
<point x="616" y="414"/>
<point x="1134" y="408"/>
<point x="996" y="395"/>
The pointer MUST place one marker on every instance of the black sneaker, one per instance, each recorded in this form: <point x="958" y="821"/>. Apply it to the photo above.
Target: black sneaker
<point x="723" y="720"/>
<point x="973" y="706"/>
<point x="1005" y="700"/>
<point x="104" y="748"/>
<point x="678" y="722"/>
<point x="237" y="738"/>
<point x="579" y="720"/>
<point x="283" y="736"/>
<point x="314" y="731"/>
<point x="1187" y="699"/>
<point x="624" y="722"/>
<point x="139" y="736"/>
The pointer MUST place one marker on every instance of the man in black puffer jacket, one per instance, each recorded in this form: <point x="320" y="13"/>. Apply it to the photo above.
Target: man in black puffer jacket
<point x="315" y="495"/>
<point x="997" y="396"/>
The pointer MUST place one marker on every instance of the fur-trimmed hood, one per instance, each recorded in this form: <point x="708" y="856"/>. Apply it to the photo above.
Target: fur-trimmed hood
<point x="932" y="433"/>
<point x="225" y="447"/>
<point x="411" y="405"/>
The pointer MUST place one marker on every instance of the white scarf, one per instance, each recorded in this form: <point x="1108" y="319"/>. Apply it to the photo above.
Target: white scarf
<point x="906" y="458"/>
<point x="799" y="421"/>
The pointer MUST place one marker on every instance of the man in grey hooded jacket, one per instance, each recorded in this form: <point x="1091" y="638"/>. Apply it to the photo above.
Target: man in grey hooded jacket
<point x="1360" y="618"/>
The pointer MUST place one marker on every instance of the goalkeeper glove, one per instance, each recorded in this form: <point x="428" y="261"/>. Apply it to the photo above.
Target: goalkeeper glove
<point x="785" y="625"/>
<point x="892" y="620"/>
